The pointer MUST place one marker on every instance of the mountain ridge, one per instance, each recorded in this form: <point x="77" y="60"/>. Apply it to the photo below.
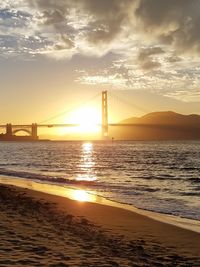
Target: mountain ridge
<point x="165" y="118"/>
<point x="159" y="125"/>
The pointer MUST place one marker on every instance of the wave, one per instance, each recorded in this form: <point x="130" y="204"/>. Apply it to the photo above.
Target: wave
<point x="44" y="178"/>
<point x="127" y="194"/>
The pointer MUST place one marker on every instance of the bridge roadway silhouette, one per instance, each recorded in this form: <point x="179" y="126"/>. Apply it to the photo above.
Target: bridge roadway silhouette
<point x="65" y="125"/>
<point x="29" y="128"/>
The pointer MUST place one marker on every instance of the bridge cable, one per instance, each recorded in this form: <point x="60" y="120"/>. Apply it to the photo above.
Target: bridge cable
<point x="69" y="110"/>
<point x="124" y="101"/>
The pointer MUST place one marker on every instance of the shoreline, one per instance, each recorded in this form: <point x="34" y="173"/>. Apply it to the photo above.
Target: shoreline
<point x="57" y="231"/>
<point x="71" y="193"/>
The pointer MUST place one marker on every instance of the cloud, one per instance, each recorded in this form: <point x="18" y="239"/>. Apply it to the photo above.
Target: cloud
<point x="104" y="18"/>
<point x="173" y="22"/>
<point x="173" y="59"/>
<point x="92" y="26"/>
<point x="112" y="81"/>
<point x="97" y="27"/>
<point x="145" y="59"/>
<point x="108" y="19"/>
<point x="12" y="20"/>
<point x="155" y="43"/>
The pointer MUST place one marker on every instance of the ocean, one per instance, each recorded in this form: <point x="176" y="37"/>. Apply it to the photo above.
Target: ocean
<point x="160" y="176"/>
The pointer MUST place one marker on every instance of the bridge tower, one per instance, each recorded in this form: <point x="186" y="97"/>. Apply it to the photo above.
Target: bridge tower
<point x="9" y="129"/>
<point x="104" y="115"/>
<point x="34" y="131"/>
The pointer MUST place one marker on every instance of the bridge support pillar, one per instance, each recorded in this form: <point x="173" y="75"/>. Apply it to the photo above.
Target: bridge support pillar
<point x="34" y="131"/>
<point x="104" y="115"/>
<point x="9" y="130"/>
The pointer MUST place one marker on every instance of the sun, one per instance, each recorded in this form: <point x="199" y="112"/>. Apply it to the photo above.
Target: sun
<point x="88" y="118"/>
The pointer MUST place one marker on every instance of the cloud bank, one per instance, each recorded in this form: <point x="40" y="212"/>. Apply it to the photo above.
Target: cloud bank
<point x="104" y="24"/>
<point x="148" y="36"/>
<point x="174" y="22"/>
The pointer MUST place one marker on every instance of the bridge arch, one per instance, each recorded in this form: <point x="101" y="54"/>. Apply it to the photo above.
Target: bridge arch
<point x="22" y="130"/>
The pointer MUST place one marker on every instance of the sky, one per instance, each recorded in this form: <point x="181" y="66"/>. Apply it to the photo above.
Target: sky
<point x="57" y="55"/>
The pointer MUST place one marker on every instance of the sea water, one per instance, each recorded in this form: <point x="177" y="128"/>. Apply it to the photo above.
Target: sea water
<point x="157" y="176"/>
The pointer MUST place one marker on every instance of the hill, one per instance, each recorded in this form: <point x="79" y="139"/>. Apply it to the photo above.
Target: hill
<point x="165" y="125"/>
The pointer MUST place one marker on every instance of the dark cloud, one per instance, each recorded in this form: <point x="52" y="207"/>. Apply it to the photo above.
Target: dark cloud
<point x="173" y="59"/>
<point x="100" y="26"/>
<point x="173" y="22"/>
<point x="147" y="52"/>
<point x="68" y="42"/>
<point x="108" y="19"/>
<point x="55" y="14"/>
<point x="65" y="43"/>
<point x="105" y="18"/>
<point x="53" y="17"/>
<point x="146" y="59"/>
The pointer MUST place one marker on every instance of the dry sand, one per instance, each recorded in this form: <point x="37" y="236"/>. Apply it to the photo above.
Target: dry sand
<point x="37" y="229"/>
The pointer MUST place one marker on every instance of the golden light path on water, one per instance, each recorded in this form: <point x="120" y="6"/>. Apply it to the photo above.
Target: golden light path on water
<point x="87" y="164"/>
<point x="86" y="167"/>
<point x="82" y="196"/>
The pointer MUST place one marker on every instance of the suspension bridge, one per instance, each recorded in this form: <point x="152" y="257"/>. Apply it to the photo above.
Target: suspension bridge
<point x="32" y="129"/>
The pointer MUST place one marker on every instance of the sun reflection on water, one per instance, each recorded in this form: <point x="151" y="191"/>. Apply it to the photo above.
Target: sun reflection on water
<point x="82" y="196"/>
<point x="87" y="178"/>
<point x="87" y="163"/>
<point x="87" y="147"/>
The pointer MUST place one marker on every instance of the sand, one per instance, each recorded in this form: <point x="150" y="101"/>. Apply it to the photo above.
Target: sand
<point x="38" y="229"/>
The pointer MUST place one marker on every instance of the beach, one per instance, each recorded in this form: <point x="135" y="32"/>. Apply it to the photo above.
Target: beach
<point x="40" y="229"/>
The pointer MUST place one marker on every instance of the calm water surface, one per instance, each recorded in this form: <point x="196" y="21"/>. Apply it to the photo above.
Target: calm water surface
<point x="158" y="176"/>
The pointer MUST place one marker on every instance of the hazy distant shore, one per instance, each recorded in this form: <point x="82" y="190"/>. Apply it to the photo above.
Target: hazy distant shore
<point x="39" y="229"/>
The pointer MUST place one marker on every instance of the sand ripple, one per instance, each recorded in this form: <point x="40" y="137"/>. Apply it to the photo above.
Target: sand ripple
<point x="35" y="233"/>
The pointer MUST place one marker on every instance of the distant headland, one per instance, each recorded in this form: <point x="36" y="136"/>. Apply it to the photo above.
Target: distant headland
<point x="165" y="125"/>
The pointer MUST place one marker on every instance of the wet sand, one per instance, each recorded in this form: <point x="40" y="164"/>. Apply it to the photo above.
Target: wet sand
<point x="38" y="229"/>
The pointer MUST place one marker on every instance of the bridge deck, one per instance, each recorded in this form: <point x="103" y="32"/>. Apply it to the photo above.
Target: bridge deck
<point x="67" y="125"/>
<point x="98" y="124"/>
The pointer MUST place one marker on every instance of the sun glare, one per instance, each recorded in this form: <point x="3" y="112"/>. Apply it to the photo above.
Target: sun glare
<point x="82" y="195"/>
<point x="88" y="119"/>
